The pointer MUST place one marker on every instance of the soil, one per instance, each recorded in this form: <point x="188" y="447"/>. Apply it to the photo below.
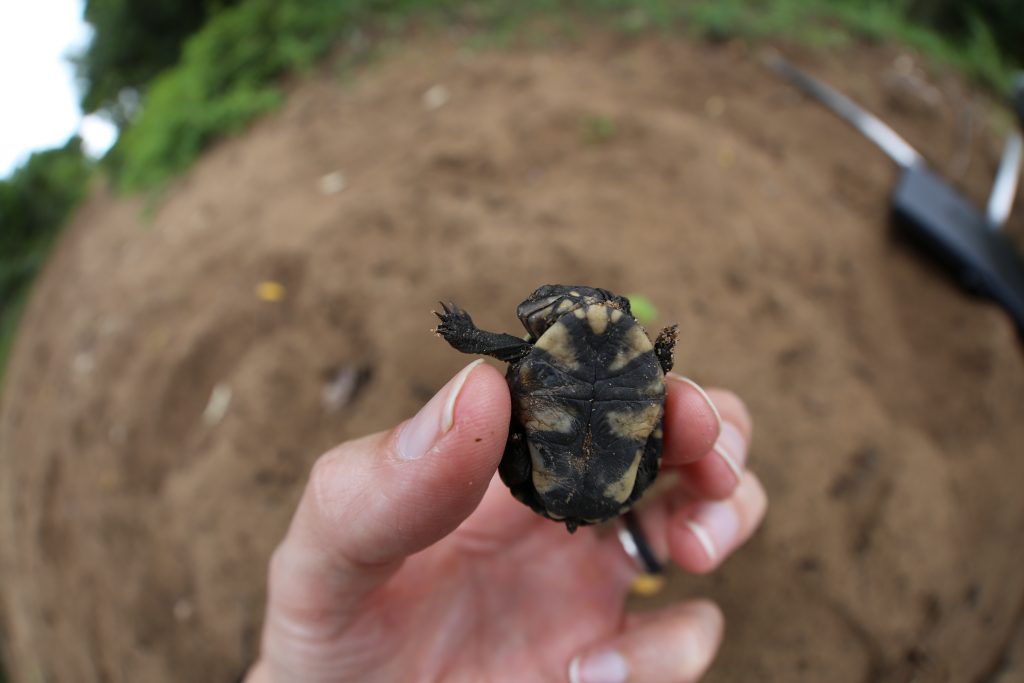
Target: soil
<point x="138" y="517"/>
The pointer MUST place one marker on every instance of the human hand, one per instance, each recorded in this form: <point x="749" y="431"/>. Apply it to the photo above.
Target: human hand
<point x="408" y="560"/>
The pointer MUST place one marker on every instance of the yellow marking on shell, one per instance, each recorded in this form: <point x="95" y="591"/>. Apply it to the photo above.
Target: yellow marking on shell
<point x="544" y="480"/>
<point x="558" y="345"/>
<point x="597" y="317"/>
<point x="574" y="293"/>
<point x="620" y="489"/>
<point x="580" y="313"/>
<point x="616" y="315"/>
<point x="635" y="425"/>
<point x="544" y="417"/>
<point x="635" y="344"/>
<point x="655" y="389"/>
<point x="565" y="306"/>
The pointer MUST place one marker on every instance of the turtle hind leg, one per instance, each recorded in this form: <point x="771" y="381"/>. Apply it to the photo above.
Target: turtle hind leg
<point x="458" y="329"/>
<point x="664" y="346"/>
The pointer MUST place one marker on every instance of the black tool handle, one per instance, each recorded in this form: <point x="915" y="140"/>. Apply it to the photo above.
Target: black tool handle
<point x="942" y="221"/>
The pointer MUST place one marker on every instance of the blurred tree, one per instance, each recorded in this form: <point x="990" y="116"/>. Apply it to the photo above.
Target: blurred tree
<point x="34" y="202"/>
<point x="133" y="42"/>
<point x="1004" y="19"/>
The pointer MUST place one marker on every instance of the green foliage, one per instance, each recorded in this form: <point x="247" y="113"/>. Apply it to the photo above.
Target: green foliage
<point x="597" y="129"/>
<point x="207" y="67"/>
<point x="34" y="202"/>
<point x="133" y="42"/>
<point x="229" y="69"/>
<point x="643" y="309"/>
<point x="1002" y="22"/>
<point x="972" y="49"/>
<point x="9" y="316"/>
<point x="226" y="76"/>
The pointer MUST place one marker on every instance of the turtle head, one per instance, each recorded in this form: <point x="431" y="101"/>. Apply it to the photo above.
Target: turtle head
<point x="550" y="302"/>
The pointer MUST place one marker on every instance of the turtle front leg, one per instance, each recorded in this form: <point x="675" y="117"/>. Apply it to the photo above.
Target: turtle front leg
<point x="458" y="329"/>
<point x="664" y="345"/>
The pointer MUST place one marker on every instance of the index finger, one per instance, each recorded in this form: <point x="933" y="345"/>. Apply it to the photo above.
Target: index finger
<point x="692" y="422"/>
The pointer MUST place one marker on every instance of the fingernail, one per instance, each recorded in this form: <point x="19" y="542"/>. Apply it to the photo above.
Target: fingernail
<point x="703" y="394"/>
<point x="715" y="524"/>
<point x="434" y="419"/>
<point x="732" y="448"/>
<point x="604" y="667"/>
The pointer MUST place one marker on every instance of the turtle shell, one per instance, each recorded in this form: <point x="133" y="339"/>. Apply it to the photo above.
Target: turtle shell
<point x="588" y="403"/>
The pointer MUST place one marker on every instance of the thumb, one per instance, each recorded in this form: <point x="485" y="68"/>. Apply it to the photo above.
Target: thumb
<point x="372" y="502"/>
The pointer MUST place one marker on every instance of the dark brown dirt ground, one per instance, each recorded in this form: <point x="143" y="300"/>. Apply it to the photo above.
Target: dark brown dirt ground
<point x="134" y="536"/>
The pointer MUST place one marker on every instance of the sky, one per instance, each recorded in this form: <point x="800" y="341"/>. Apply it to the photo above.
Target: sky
<point x="39" y="107"/>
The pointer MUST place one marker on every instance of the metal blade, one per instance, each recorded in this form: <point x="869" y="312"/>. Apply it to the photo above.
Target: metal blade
<point x="1000" y="202"/>
<point x="870" y="126"/>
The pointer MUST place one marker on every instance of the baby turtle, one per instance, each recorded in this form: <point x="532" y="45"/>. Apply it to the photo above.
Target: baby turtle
<point x="588" y="398"/>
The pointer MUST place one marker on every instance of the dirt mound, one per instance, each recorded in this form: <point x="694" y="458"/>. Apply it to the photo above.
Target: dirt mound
<point x="138" y="515"/>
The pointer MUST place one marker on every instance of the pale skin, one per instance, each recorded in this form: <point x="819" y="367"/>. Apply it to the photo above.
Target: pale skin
<point x="408" y="560"/>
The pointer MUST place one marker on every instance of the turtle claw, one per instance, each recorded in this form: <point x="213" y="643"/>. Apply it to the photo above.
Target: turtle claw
<point x="457" y="328"/>
<point x="455" y="323"/>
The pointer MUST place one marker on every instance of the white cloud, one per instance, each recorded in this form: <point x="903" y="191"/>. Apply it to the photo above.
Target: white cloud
<point x="40" y="100"/>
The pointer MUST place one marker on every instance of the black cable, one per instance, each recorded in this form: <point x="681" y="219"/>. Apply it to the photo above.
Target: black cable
<point x="643" y="548"/>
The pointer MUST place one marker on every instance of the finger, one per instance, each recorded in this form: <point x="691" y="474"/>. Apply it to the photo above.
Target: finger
<point x="732" y="409"/>
<point x="371" y="502"/>
<point x="500" y="519"/>
<point x="697" y="535"/>
<point x="691" y="421"/>
<point x="719" y="471"/>
<point x="702" y="534"/>
<point x="672" y="645"/>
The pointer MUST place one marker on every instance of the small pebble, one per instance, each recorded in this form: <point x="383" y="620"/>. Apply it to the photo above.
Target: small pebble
<point x="217" y="406"/>
<point x="339" y="390"/>
<point x="84" y="363"/>
<point x="436" y="97"/>
<point x="332" y="183"/>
